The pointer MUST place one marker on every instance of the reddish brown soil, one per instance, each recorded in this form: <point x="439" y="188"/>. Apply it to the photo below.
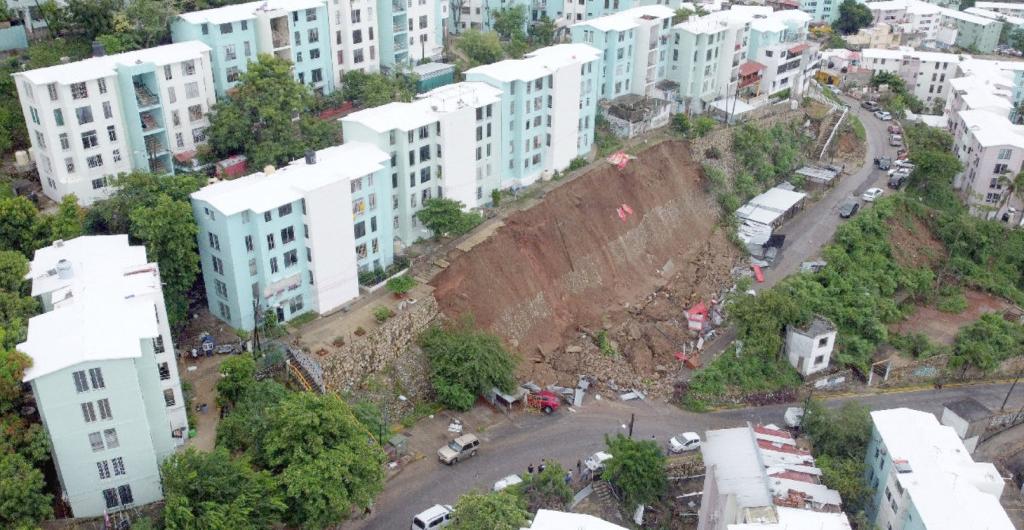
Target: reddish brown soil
<point x="913" y="244"/>
<point x="570" y="263"/>
<point x="941" y="327"/>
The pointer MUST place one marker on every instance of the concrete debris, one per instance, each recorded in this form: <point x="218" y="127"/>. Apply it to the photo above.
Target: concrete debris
<point x="631" y="395"/>
<point x="531" y="386"/>
<point x="455" y="426"/>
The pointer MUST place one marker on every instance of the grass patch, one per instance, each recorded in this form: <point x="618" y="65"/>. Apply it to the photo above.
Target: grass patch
<point x="604" y="344"/>
<point x="951" y="300"/>
<point x="303" y="319"/>
<point x="858" y="128"/>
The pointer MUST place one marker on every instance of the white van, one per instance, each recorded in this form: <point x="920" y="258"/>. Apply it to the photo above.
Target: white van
<point x="437" y="516"/>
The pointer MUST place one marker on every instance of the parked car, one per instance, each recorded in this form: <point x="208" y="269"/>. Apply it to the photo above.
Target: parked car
<point x="437" y="516"/>
<point x="595" y="462"/>
<point x="545" y="400"/>
<point x="871" y="194"/>
<point x="896" y="140"/>
<point x="883" y="115"/>
<point x="683" y="442"/>
<point x="510" y="480"/>
<point x="897" y="180"/>
<point x="870" y="105"/>
<point x="883" y="163"/>
<point x="895" y="129"/>
<point x="849" y="208"/>
<point x="904" y="164"/>
<point x="460" y="448"/>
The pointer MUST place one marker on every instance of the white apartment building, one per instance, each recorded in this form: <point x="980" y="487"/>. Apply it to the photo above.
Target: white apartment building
<point x="103" y="372"/>
<point x="926" y="74"/>
<point x="444" y="144"/>
<point x="1013" y="9"/>
<point x="918" y="19"/>
<point x="920" y="475"/>
<point x="354" y="35"/>
<point x="549" y="101"/>
<point x="779" y="42"/>
<point x="90" y="120"/>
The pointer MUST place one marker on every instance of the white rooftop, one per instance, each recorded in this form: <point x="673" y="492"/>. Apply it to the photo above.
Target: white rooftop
<point x="427" y="108"/>
<point x="247" y="11"/>
<point x="720" y="20"/>
<point x="259" y="192"/>
<point x="627" y="19"/>
<point x="999" y="5"/>
<point x="907" y="52"/>
<point x="539" y="63"/>
<point x="796" y="519"/>
<point x="552" y="520"/>
<point x="949" y="490"/>
<point x="99" y="311"/>
<point x="991" y="129"/>
<point x="995" y="15"/>
<point x="106" y="66"/>
<point x="738" y="470"/>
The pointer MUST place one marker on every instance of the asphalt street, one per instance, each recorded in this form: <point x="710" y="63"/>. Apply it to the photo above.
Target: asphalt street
<point x="511" y="446"/>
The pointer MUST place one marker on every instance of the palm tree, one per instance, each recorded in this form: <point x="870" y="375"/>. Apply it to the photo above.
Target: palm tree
<point x="1014" y="188"/>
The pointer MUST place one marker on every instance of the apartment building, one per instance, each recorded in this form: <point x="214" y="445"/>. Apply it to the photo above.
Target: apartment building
<point x="354" y="37"/>
<point x="821" y="10"/>
<point x="706" y="54"/>
<point x="294" y="239"/>
<point x="445" y="144"/>
<point x="1013" y="9"/>
<point x="921" y="476"/>
<point x="983" y="97"/>
<point x="634" y="49"/>
<point x="1015" y="22"/>
<point x="29" y="13"/>
<point x="758" y="478"/>
<point x="973" y="32"/>
<point x="549" y="100"/>
<point x="411" y="30"/>
<point x="779" y="42"/>
<point x="103" y="372"/>
<point x="91" y="120"/>
<point x="925" y="74"/>
<point x="295" y="30"/>
<point x="938" y="26"/>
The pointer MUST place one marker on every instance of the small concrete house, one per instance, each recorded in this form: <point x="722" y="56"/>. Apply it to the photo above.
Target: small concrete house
<point x="969" y="418"/>
<point x="810" y="348"/>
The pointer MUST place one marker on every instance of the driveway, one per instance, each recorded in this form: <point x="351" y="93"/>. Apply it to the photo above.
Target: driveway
<point x="512" y="445"/>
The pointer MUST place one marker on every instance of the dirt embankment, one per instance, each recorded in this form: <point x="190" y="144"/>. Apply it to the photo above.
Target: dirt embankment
<point x="571" y="263"/>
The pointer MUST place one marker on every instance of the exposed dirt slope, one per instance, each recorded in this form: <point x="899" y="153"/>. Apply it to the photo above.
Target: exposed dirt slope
<point x="570" y="262"/>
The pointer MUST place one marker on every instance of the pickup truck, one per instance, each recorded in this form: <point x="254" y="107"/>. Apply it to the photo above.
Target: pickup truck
<point x="545" y="400"/>
<point x="896" y="140"/>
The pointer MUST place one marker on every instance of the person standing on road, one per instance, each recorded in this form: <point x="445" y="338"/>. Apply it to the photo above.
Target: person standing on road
<point x="568" y="477"/>
<point x="579" y="467"/>
<point x="540" y="469"/>
<point x="530" y="468"/>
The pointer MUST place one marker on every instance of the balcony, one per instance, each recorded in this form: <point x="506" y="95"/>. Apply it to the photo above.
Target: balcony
<point x="279" y="34"/>
<point x="399" y="28"/>
<point x="155" y="147"/>
<point x="150" y="123"/>
<point x="145" y="97"/>
<point x="397" y="7"/>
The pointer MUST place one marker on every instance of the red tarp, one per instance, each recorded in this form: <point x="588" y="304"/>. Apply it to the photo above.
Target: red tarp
<point x="758" y="273"/>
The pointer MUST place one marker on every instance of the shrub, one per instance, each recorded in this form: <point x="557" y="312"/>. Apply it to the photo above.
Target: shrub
<point x="401" y="284"/>
<point x="495" y="198"/>
<point x="382" y="314"/>
<point x="465" y="363"/>
<point x="577" y="163"/>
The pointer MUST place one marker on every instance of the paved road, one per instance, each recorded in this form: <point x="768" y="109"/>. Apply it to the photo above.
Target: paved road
<point x="512" y="445"/>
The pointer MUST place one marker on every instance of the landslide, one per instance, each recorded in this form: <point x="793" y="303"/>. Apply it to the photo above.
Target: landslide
<point x="571" y="264"/>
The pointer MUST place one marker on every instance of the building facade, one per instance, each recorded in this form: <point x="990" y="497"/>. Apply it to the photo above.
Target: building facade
<point x="103" y="372"/>
<point x="354" y="37"/>
<point x="920" y="476"/>
<point x="91" y="120"/>
<point x="926" y="74"/>
<point x="549" y="101"/>
<point x="821" y="10"/>
<point x="411" y="30"/>
<point x="285" y="241"/>
<point x="445" y="144"/>
<point x="298" y="31"/>
<point x="809" y="349"/>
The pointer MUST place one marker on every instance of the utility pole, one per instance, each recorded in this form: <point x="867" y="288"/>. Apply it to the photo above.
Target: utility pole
<point x="632" y="419"/>
<point x="1007" y="398"/>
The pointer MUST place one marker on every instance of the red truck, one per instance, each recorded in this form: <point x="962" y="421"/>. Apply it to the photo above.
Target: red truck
<point x="545" y="400"/>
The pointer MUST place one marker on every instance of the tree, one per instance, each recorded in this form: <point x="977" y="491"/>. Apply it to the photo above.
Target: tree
<point x="168" y="231"/>
<point x="93" y="17"/>
<point x="466" y="363"/>
<point x="400" y="284"/>
<point x="150" y="20"/>
<point x="23" y="498"/>
<point x="510" y="21"/>
<point x="890" y="79"/>
<point x="986" y="343"/>
<point x="68" y="222"/>
<point x="702" y="126"/>
<point x="496" y="510"/>
<point x="13" y="364"/>
<point x="681" y="15"/>
<point x="136" y="190"/>
<point x="445" y="217"/>
<point x="456" y="13"/>
<point x="542" y="32"/>
<point x="236" y="375"/>
<point x="373" y="89"/>
<point x="480" y="48"/>
<point x="56" y="16"/>
<point x="852" y="16"/>
<point x="214" y="491"/>
<point x="845" y="475"/>
<point x="842" y="433"/>
<point x="19" y="225"/>
<point x="1016" y="39"/>
<point x="681" y="123"/>
<point x="257" y="118"/>
<point x="637" y="468"/>
<point x="326" y="460"/>
<point x="546" y="490"/>
<point x="242" y="430"/>
<point x="13" y="268"/>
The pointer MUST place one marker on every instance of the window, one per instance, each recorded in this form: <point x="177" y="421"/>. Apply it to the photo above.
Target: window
<point x="179" y="139"/>
<point x="317" y="75"/>
<point x="84" y="115"/>
<point x="88" y="412"/>
<point x="79" y="91"/>
<point x="89" y="139"/>
<point x="96" y="377"/>
<point x="1004" y="154"/>
<point x="102" y="84"/>
<point x="229" y="53"/>
<point x="58" y="117"/>
<point x="287" y="235"/>
<point x="110" y="497"/>
<point x="247" y="49"/>
<point x="248" y="244"/>
<point x="169" y="397"/>
<point x="104" y="406"/>
<point x="295" y="304"/>
<point x="360" y="229"/>
<point x="94" y="161"/>
<point x="81" y="385"/>
<point x="107" y="111"/>
<point x="164" y="370"/>
<point x="218" y="265"/>
<point x="355" y="16"/>
<point x="314" y="54"/>
<point x="822" y="342"/>
<point x="98" y="183"/>
<point x="357" y="36"/>
<point x="226" y="28"/>
<point x="314" y="35"/>
<point x="267" y="216"/>
<point x="171" y="96"/>
<point x="270" y="242"/>
<point x="167" y="72"/>
<point x="125" y="492"/>
<point x="103" y="468"/>
<point x="52" y="88"/>
<point x="423" y="22"/>
<point x="819" y="359"/>
<point x="225" y="311"/>
<point x="291" y="258"/>
<point x="117" y="155"/>
<point x="65" y="144"/>
<point x="310" y="15"/>
<point x="112" y="133"/>
<point x="189" y="67"/>
<point x="96" y="441"/>
<point x="221" y="288"/>
<point x="273" y="265"/>
<point x="118" y="465"/>
<point x="199" y="135"/>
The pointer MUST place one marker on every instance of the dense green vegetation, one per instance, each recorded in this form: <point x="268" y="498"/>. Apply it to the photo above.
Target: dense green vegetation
<point x="766" y="156"/>
<point x="840" y="439"/>
<point x="497" y="510"/>
<point x="637" y="468"/>
<point x="853" y="15"/>
<point x="466" y="363"/>
<point x="447" y="217"/>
